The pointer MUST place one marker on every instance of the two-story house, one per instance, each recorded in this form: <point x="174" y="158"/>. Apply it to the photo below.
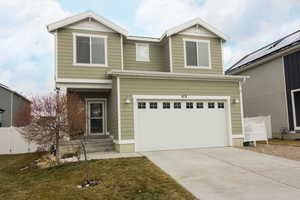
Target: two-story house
<point x="150" y="93"/>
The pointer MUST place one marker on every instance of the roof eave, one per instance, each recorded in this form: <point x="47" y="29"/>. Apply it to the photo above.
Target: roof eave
<point x="73" y="19"/>
<point x="168" y="75"/>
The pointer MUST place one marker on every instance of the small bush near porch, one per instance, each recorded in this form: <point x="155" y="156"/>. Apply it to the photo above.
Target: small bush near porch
<point x="125" y="178"/>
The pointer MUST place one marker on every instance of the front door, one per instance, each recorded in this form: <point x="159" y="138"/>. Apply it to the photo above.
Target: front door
<point x="96" y="114"/>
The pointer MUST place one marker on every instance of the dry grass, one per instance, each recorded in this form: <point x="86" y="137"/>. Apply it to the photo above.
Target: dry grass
<point x="285" y="142"/>
<point x="283" y="148"/>
<point x="130" y="178"/>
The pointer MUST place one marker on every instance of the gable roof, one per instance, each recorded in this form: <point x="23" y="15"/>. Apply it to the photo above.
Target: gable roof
<point x="14" y="92"/>
<point x="192" y="23"/>
<point x="88" y="14"/>
<point x="273" y="49"/>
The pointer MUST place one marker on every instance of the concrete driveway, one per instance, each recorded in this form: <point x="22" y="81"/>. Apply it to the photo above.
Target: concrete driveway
<point x="230" y="173"/>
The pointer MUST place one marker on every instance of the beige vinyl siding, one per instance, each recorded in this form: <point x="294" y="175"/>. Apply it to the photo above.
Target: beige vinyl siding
<point x="156" y="53"/>
<point x="178" y="55"/>
<point x="129" y="87"/>
<point x="65" y="68"/>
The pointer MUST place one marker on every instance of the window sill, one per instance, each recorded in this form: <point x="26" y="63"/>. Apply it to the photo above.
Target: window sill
<point x="197" y="67"/>
<point x="142" y="60"/>
<point x="88" y="65"/>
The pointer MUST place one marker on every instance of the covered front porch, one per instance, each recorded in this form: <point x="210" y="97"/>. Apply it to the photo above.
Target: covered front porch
<point x="98" y="110"/>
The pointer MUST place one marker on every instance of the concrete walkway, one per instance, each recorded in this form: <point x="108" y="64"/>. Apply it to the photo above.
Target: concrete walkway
<point x="110" y="154"/>
<point x="230" y="173"/>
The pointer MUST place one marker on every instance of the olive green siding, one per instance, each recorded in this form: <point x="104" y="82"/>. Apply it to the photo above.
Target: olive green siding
<point x="65" y="68"/>
<point x="129" y="87"/>
<point x="178" y="55"/>
<point x="156" y="53"/>
<point x="167" y="54"/>
<point x="113" y="120"/>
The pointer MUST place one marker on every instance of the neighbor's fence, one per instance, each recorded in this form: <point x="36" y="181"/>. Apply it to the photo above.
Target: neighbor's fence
<point x="258" y="129"/>
<point x="12" y="142"/>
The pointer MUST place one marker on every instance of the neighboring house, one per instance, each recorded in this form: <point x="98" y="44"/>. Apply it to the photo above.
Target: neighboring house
<point x="149" y="93"/>
<point x="10" y="103"/>
<point x="274" y="84"/>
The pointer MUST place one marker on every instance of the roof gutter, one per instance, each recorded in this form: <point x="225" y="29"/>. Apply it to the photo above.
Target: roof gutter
<point x="262" y="60"/>
<point x="176" y="76"/>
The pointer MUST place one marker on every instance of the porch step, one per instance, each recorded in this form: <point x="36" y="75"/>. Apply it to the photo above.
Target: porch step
<point x="92" y="145"/>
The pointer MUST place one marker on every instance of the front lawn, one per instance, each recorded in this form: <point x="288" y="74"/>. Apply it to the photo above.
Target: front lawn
<point x="123" y="178"/>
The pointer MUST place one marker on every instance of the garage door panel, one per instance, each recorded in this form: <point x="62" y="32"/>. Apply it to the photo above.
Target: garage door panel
<point x="162" y="129"/>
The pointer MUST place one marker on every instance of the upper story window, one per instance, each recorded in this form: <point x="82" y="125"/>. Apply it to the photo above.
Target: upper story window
<point x="142" y="52"/>
<point x="197" y="53"/>
<point x="90" y="50"/>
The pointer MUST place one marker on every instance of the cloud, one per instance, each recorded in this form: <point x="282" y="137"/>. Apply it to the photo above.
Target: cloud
<point x="249" y="23"/>
<point x="26" y="44"/>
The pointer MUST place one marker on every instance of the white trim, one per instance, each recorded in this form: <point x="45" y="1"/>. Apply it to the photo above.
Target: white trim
<point x="294" y="109"/>
<point x="140" y="38"/>
<point x="199" y="35"/>
<point x="100" y="100"/>
<point x="119" y="108"/>
<point x="184" y="97"/>
<point x="122" y="54"/>
<point x="55" y="55"/>
<point x="222" y="56"/>
<point x="177" y="76"/>
<point x="179" y="97"/>
<point x="124" y="141"/>
<point x="74" y="80"/>
<point x="137" y="58"/>
<point x="242" y="108"/>
<point x="209" y="53"/>
<point x="83" y="86"/>
<point x="89" y="14"/>
<point x="90" y="37"/>
<point x="285" y="94"/>
<point x="191" y="23"/>
<point x="237" y="136"/>
<point x="170" y="54"/>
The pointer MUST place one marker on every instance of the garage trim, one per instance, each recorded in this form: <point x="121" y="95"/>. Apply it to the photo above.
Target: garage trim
<point x="181" y="97"/>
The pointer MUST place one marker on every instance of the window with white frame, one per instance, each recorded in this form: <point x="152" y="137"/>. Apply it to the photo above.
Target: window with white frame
<point x="211" y="105"/>
<point x="166" y="105"/>
<point x="141" y="105"/>
<point x="90" y="50"/>
<point x="153" y="105"/>
<point x="177" y="105"/>
<point x="197" y="53"/>
<point x="189" y="105"/>
<point x="200" y="105"/>
<point x="221" y="105"/>
<point x="142" y="52"/>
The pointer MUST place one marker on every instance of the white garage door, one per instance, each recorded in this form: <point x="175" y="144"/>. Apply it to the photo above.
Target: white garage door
<point x="162" y="125"/>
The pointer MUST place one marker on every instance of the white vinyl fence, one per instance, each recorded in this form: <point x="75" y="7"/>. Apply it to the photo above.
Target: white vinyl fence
<point x="258" y="128"/>
<point x="12" y="142"/>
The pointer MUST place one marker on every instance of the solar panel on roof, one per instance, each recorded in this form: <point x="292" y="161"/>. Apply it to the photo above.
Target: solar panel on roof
<point x="273" y="47"/>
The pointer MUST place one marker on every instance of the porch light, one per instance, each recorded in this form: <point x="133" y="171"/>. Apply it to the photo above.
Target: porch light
<point x="128" y="100"/>
<point x="235" y="101"/>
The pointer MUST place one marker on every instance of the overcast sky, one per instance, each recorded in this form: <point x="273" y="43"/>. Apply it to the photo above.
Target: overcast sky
<point x="27" y="49"/>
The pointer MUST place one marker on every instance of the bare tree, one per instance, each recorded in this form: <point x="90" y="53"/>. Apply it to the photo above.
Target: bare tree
<point x="51" y="118"/>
